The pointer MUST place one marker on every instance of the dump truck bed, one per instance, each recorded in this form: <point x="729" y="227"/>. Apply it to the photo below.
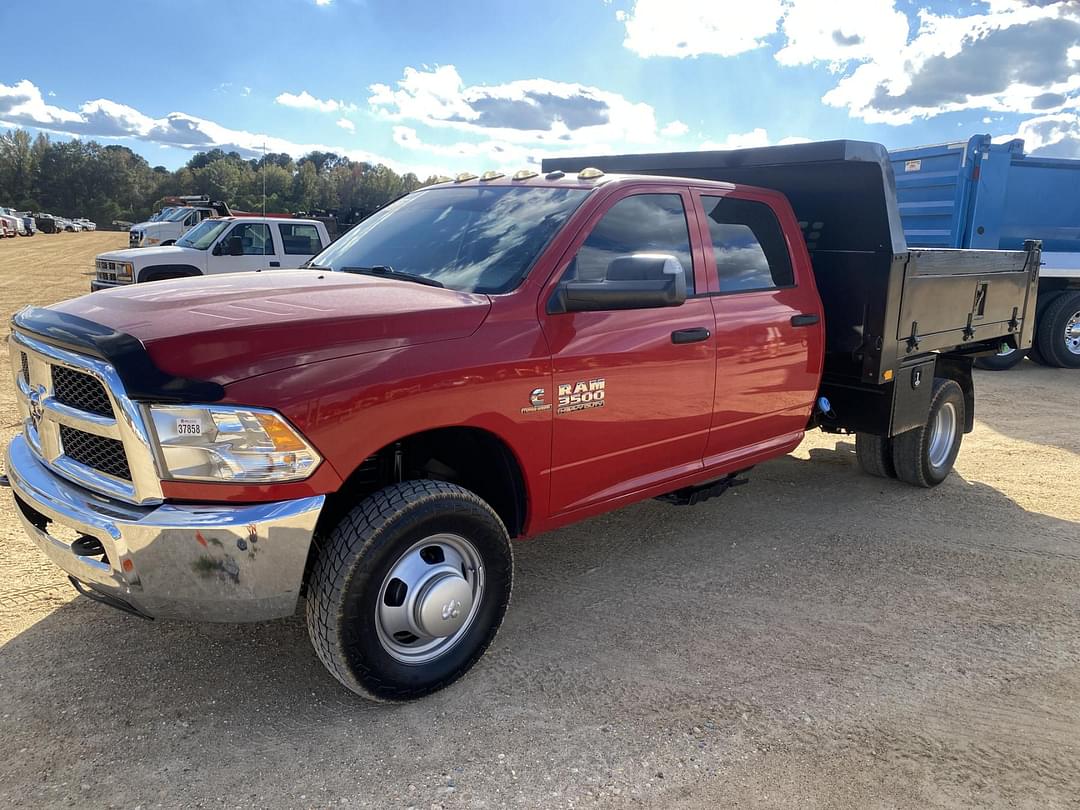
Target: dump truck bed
<point x="884" y="303"/>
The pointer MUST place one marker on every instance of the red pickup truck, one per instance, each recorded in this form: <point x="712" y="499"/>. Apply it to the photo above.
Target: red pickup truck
<point x="487" y="359"/>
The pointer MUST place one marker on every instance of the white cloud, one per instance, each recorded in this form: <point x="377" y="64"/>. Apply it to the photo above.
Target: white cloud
<point x="323" y="2"/>
<point x="838" y="31"/>
<point x="696" y="27"/>
<point x="747" y="140"/>
<point x="1050" y="135"/>
<point x="346" y="124"/>
<point x="23" y="105"/>
<point x="1016" y="57"/>
<point x="527" y="111"/>
<point x="674" y="129"/>
<point x="744" y="140"/>
<point x="305" y="101"/>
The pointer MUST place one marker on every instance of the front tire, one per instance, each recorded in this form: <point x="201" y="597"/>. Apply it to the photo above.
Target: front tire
<point x="925" y="456"/>
<point x="409" y="590"/>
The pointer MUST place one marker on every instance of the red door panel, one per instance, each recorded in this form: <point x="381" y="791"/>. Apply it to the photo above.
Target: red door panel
<point x="767" y="368"/>
<point x="657" y="395"/>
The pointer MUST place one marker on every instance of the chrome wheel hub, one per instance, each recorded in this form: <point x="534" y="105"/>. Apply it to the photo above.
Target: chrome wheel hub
<point x="429" y="598"/>
<point x="942" y="435"/>
<point x="1072" y="334"/>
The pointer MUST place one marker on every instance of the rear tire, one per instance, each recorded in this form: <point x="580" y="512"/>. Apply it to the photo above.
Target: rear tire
<point x="925" y="456"/>
<point x="875" y="455"/>
<point x="409" y="590"/>
<point x="1059" y="331"/>
<point x="1002" y="361"/>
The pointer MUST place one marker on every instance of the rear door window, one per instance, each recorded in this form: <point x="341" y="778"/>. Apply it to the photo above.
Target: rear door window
<point x="749" y="246"/>
<point x="300" y="239"/>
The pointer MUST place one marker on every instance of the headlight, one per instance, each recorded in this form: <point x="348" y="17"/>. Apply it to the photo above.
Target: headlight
<point x="226" y="443"/>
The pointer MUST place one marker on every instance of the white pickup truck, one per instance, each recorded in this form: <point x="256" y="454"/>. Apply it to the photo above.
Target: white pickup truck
<point x="220" y="245"/>
<point x="173" y="223"/>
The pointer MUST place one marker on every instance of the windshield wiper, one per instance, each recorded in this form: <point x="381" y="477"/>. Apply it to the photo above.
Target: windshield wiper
<point x="310" y="266"/>
<point x="389" y="272"/>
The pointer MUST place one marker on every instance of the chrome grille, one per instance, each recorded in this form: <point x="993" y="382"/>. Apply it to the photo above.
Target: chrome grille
<point x="78" y="390"/>
<point x="99" y="452"/>
<point x="80" y="423"/>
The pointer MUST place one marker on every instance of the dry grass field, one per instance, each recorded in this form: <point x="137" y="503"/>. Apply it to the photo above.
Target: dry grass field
<point x="815" y="639"/>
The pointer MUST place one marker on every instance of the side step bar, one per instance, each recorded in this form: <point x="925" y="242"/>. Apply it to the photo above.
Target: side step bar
<point x="689" y="496"/>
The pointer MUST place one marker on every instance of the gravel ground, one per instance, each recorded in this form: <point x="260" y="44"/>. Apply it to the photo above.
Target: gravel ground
<point x="815" y="639"/>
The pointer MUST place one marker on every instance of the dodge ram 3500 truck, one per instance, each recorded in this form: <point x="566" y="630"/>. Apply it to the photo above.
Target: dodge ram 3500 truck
<point x="221" y="245"/>
<point x="487" y="359"/>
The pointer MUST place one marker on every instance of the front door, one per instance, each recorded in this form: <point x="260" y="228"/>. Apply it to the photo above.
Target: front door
<point x="258" y="249"/>
<point x="633" y="388"/>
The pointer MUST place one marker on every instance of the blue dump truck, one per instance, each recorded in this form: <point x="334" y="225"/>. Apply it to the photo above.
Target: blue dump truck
<point x="979" y="194"/>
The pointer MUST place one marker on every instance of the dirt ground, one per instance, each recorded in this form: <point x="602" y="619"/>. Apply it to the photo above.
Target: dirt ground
<point x="815" y="639"/>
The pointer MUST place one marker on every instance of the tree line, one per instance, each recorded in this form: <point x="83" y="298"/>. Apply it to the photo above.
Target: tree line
<point x="110" y="183"/>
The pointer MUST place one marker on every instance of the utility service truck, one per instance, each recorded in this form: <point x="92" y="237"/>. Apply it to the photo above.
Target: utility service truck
<point x="486" y="359"/>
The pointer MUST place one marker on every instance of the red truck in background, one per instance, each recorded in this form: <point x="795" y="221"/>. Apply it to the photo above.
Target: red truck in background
<point x="487" y="359"/>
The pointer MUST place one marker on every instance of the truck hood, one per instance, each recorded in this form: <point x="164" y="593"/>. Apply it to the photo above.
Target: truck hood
<point x="229" y="327"/>
<point x="169" y="254"/>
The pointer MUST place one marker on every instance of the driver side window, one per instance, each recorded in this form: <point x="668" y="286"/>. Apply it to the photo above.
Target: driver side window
<point x="255" y="237"/>
<point x="643" y="223"/>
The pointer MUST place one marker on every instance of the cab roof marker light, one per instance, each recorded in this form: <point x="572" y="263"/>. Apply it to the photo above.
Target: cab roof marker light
<point x="589" y="173"/>
<point x="491" y="175"/>
<point x="555" y="175"/>
<point x="442" y="178"/>
<point x="461" y="178"/>
<point x="524" y="174"/>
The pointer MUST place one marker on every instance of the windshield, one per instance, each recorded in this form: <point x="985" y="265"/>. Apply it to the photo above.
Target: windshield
<point x="203" y="235"/>
<point x="472" y="239"/>
<point x="177" y="214"/>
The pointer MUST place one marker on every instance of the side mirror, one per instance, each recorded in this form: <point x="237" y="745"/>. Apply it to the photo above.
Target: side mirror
<point x="234" y="245"/>
<point x="637" y="281"/>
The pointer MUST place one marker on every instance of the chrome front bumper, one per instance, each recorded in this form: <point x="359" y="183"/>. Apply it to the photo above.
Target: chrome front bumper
<point x="211" y="563"/>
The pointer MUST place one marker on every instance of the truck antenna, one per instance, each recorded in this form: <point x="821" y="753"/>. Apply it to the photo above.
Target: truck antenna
<point x="263" y="173"/>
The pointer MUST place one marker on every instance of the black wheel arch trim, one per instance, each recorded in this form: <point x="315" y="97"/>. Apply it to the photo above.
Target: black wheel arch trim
<point x="142" y="379"/>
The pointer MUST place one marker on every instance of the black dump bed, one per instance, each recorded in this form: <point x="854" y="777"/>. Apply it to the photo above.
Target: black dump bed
<point x="884" y="303"/>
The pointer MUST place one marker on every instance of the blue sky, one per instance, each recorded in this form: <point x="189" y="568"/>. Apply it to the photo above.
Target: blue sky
<point x="438" y="87"/>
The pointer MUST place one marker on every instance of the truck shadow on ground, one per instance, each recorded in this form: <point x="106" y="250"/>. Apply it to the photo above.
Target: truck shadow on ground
<point x="1004" y="399"/>
<point x="798" y="584"/>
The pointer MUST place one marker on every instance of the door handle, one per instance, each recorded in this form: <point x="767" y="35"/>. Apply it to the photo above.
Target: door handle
<point x="275" y="264"/>
<point x="690" y="335"/>
<point x="808" y="319"/>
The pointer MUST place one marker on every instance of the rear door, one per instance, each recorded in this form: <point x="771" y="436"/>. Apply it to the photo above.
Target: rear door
<point x="632" y="400"/>
<point x="300" y="241"/>
<point x="768" y="324"/>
